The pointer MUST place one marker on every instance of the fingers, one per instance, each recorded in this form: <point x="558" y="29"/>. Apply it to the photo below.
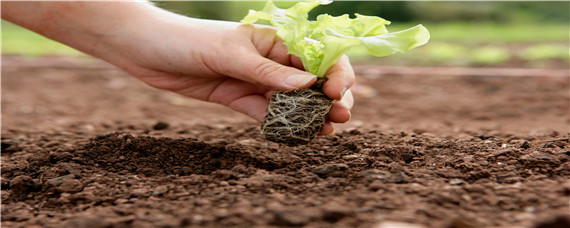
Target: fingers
<point x="341" y="76"/>
<point x="236" y="94"/>
<point x="265" y="63"/>
<point x="262" y="71"/>
<point x="339" y="113"/>
<point x="328" y="129"/>
<point x="254" y="105"/>
<point x="279" y="54"/>
<point x="340" y="110"/>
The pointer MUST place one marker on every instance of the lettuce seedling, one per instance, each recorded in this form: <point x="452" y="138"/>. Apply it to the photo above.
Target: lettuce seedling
<point x="296" y="117"/>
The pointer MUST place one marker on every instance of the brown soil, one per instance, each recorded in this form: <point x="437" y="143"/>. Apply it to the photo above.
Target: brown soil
<point x="85" y="145"/>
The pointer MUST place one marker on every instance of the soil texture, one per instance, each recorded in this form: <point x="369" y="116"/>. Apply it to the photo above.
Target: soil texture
<point x="85" y="145"/>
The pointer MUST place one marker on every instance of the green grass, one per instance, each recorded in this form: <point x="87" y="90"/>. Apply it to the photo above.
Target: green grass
<point x="492" y="32"/>
<point x="16" y="40"/>
<point x="449" y="37"/>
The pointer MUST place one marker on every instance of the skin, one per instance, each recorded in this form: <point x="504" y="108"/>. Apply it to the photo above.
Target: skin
<point x="223" y="62"/>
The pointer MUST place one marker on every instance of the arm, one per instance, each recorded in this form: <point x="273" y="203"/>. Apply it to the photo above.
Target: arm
<point x="223" y="62"/>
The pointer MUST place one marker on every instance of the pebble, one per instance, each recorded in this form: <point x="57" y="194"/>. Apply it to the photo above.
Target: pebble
<point x="160" y="190"/>
<point x="350" y="157"/>
<point x="326" y="170"/>
<point x="385" y="176"/>
<point x="140" y="192"/>
<point x="455" y="181"/>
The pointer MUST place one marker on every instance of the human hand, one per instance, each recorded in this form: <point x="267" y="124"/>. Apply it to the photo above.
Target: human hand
<point x="228" y="63"/>
<point x="223" y="62"/>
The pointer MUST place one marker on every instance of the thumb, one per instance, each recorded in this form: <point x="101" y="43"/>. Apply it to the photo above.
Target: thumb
<point x="263" y="71"/>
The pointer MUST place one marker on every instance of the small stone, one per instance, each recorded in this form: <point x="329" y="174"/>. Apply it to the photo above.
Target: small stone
<point x="350" y="157"/>
<point x="121" y="201"/>
<point x="385" y="176"/>
<point x="326" y="170"/>
<point x="455" y="181"/>
<point x="160" y="190"/>
<point x="139" y="192"/>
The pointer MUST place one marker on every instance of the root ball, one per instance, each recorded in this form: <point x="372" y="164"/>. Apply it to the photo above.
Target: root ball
<point x="296" y="117"/>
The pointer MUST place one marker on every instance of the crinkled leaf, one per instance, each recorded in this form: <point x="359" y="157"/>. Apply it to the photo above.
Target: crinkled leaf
<point x="319" y="44"/>
<point x="390" y="43"/>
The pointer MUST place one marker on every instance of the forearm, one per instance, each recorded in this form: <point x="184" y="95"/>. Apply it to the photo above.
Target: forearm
<point x="86" y="26"/>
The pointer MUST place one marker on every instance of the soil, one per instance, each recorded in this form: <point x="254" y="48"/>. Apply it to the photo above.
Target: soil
<point x="85" y="145"/>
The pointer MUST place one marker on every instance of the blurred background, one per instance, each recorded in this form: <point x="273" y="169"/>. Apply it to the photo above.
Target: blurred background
<point x="472" y="34"/>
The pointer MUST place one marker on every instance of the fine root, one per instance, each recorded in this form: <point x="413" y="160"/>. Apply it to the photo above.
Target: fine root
<point x="296" y="117"/>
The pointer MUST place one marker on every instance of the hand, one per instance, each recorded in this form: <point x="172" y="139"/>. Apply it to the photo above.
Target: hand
<point x="227" y="63"/>
<point x="223" y="62"/>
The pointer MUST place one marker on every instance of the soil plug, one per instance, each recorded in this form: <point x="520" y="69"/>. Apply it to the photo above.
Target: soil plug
<point x="296" y="117"/>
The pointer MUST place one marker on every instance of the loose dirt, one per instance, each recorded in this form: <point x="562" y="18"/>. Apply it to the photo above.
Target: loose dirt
<point x="86" y="146"/>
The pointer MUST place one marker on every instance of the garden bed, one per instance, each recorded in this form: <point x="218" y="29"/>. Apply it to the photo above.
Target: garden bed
<point x="86" y="146"/>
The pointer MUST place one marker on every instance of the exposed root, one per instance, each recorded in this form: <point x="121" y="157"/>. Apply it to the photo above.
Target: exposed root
<point x="296" y="117"/>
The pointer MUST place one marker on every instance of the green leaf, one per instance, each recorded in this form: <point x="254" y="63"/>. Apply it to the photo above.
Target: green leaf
<point x="390" y="43"/>
<point x="320" y="43"/>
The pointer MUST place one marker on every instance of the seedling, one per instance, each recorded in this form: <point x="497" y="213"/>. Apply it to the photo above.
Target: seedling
<point x="296" y="117"/>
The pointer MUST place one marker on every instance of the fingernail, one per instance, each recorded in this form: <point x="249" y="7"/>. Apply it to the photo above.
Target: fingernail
<point x="342" y="92"/>
<point x="299" y="80"/>
<point x="349" y="115"/>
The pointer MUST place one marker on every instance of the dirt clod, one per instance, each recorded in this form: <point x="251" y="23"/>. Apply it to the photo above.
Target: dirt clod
<point x="559" y="221"/>
<point x="525" y="145"/>
<point x="22" y="185"/>
<point x="160" y="126"/>
<point x="70" y="186"/>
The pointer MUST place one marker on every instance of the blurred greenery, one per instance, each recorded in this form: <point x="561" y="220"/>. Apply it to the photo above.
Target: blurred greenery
<point x="16" y="40"/>
<point x="397" y="11"/>
<point x="462" y="33"/>
<point x="545" y="51"/>
<point x="490" y="55"/>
